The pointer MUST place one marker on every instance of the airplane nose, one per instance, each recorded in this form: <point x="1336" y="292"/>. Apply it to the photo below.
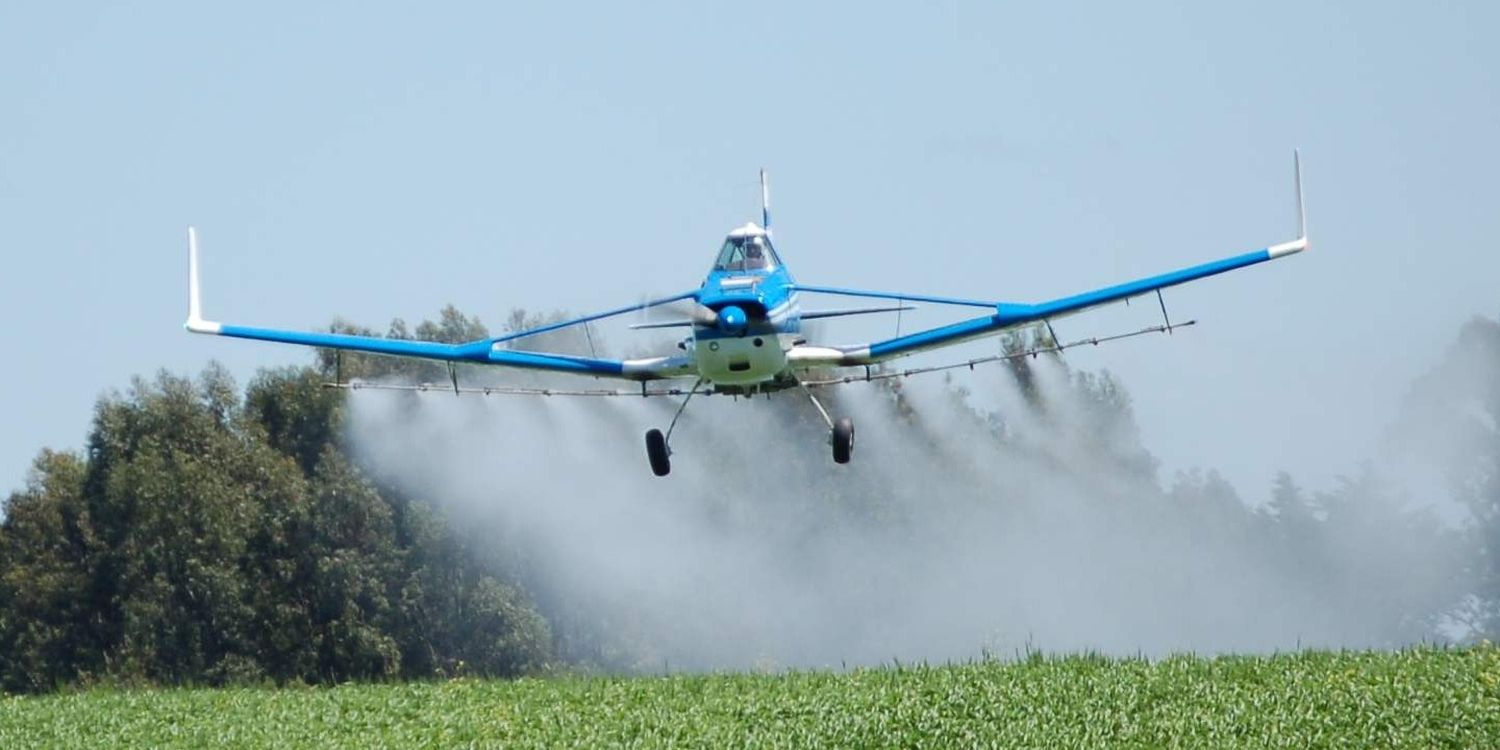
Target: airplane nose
<point x="732" y="319"/>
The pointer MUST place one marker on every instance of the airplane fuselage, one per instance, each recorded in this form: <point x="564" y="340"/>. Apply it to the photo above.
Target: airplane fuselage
<point x="753" y="351"/>
<point x="753" y="317"/>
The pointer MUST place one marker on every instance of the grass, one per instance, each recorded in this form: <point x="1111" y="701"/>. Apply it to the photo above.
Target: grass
<point x="1420" y="698"/>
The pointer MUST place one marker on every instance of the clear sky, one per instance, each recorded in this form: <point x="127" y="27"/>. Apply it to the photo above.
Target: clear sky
<point x="375" y="160"/>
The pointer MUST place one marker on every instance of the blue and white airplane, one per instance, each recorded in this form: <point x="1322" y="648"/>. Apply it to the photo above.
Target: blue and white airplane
<point x="746" y="328"/>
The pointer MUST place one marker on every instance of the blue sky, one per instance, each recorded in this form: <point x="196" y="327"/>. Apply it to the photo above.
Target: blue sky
<point x="377" y="160"/>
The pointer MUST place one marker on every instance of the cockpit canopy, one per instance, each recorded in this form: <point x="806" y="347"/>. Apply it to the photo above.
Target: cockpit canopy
<point x="747" y="249"/>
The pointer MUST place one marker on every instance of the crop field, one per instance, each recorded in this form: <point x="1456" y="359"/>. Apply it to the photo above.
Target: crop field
<point x="1421" y="698"/>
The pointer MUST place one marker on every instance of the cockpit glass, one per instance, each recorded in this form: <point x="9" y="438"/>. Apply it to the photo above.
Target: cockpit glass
<point x="752" y="253"/>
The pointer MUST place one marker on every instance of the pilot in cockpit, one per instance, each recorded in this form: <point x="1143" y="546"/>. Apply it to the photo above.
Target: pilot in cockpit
<point x="755" y="255"/>
<point x="746" y="253"/>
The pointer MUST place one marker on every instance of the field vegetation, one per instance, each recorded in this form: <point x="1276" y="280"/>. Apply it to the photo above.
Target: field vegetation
<point x="1421" y="698"/>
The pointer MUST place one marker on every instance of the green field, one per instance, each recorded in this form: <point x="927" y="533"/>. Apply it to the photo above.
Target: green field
<point x="1418" y="698"/>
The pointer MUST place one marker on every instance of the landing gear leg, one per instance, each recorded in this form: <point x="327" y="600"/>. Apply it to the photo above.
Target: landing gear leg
<point x="842" y="431"/>
<point x="657" y="450"/>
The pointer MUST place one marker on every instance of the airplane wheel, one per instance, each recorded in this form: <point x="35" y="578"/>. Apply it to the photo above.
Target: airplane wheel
<point x="656" y="452"/>
<point x="843" y="440"/>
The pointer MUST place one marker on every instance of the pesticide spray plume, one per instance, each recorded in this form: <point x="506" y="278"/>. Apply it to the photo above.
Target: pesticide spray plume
<point x="957" y="531"/>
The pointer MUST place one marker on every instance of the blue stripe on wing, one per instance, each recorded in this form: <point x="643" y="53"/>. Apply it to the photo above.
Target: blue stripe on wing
<point x="477" y="351"/>
<point x="1141" y="286"/>
<point x="1008" y="315"/>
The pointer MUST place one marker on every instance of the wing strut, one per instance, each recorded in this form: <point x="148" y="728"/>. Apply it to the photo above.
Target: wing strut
<point x="1050" y="333"/>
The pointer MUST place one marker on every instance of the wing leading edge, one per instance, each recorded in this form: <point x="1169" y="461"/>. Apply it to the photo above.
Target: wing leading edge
<point x="1009" y="315"/>
<point x="493" y="351"/>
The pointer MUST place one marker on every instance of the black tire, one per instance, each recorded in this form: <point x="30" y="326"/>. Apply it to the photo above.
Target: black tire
<point x="657" y="454"/>
<point x="843" y="440"/>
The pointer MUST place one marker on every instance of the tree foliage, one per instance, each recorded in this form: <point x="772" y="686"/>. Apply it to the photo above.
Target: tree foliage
<point x="204" y="538"/>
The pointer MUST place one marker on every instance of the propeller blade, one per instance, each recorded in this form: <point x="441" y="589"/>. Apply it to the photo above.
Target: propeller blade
<point x="704" y="316"/>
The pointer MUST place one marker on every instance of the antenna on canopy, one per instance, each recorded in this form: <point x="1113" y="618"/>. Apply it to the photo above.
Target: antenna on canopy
<point x="765" y="202"/>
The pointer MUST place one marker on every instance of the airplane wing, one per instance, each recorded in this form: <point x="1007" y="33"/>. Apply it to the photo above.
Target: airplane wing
<point x="1009" y="315"/>
<point x="492" y="351"/>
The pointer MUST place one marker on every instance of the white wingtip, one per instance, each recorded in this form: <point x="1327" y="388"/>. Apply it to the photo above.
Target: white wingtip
<point x="1287" y="248"/>
<point x="195" y="321"/>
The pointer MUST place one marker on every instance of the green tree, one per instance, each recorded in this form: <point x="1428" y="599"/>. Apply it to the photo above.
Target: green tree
<point x="354" y="562"/>
<point x="206" y="538"/>
<point x="44" y="546"/>
<point x="300" y="417"/>
<point x="176" y="485"/>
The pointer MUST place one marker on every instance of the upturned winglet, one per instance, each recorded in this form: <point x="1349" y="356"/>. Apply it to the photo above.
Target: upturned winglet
<point x="1301" y="243"/>
<point x="195" y="321"/>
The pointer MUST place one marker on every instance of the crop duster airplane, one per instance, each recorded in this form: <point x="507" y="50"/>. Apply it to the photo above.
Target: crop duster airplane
<point x="745" y="330"/>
